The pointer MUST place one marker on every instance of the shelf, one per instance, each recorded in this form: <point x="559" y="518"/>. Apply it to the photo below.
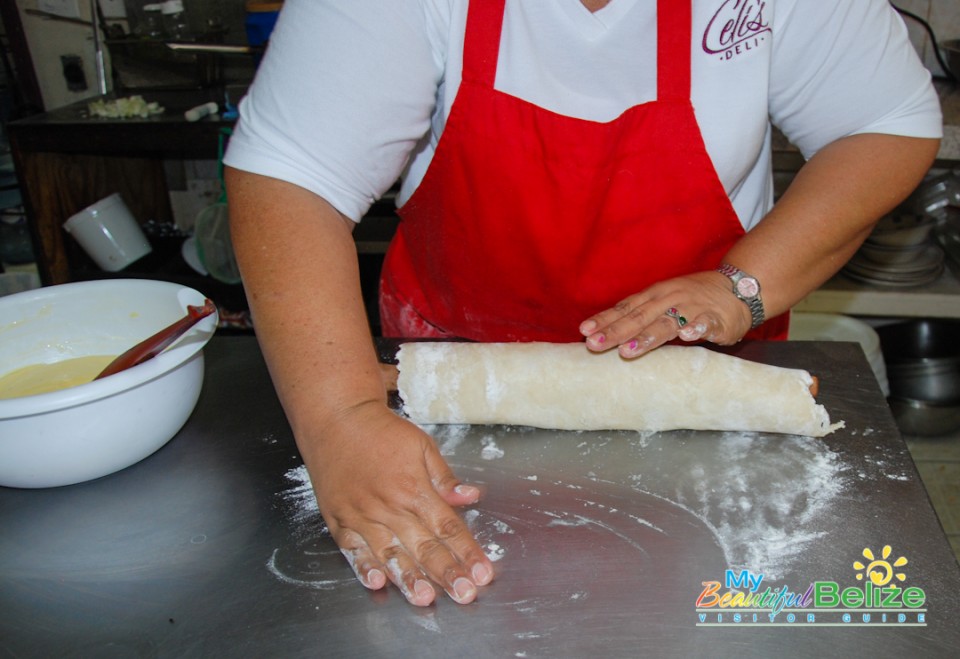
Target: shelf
<point x="941" y="299"/>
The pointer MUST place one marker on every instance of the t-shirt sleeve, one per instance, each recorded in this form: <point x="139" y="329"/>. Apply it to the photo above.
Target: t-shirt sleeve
<point x="845" y="68"/>
<point x="341" y="98"/>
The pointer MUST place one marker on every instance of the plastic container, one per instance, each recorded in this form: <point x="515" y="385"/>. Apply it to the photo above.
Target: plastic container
<point x="261" y="18"/>
<point x="806" y="326"/>
<point x="16" y="246"/>
<point x="174" y="20"/>
<point x="214" y="247"/>
<point x="18" y="282"/>
<point x="109" y="233"/>
<point x="9" y="186"/>
<point x="152" y="26"/>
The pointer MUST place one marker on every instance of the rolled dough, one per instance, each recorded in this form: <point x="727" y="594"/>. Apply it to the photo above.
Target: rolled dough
<point x="564" y="386"/>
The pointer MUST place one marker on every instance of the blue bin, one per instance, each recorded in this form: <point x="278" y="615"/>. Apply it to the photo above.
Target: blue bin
<point x="261" y="17"/>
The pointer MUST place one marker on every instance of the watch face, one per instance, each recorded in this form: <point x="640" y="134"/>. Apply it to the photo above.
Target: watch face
<point x="748" y="287"/>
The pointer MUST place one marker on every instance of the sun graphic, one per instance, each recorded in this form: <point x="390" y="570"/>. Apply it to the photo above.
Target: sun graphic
<point x="879" y="570"/>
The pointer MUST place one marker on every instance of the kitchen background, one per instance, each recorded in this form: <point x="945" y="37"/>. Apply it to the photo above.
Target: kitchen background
<point x="51" y="60"/>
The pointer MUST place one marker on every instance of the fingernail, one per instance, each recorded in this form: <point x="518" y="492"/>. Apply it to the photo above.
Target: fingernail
<point x="467" y="491"/>
<point x="481" y="574"/>
<point x="635" y="347"/>
<point x="464" y="590"/>
<point x="375" y="579"/>
<point x="597" y="340"/>
<point x="588" y="326"/>
<point x="693" y="332"/>
<point x="423" y="590"/>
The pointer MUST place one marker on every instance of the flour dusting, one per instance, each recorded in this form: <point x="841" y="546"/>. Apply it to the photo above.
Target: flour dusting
<point x="765" y="520"/>
<point x="448" y="437"/>
<point x="428" y="622"/>
<point x="300" y="497"/>
<point x="489" y="532"/>
<point x="490" y="450"/>
<point x="317" y="584"/>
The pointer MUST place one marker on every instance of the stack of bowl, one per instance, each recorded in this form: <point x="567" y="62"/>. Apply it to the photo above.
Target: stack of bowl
<point x="947" y="234"/>
<point x="898" y="253"/>
<point x="934" y="195"/>
<point x="923" y="370"/>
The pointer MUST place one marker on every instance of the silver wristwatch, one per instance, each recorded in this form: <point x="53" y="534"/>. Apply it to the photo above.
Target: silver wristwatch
<point x="746" y="288"/>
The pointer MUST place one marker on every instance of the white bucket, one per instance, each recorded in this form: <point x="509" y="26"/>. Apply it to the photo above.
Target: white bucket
<point x="109" y="233"/>
<point x="806" y="326"/>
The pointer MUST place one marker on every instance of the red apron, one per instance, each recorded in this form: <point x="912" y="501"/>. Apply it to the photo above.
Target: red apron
<point x="528" y="222"/>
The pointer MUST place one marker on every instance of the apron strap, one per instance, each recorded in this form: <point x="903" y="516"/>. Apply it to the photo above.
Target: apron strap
<point x="481" y="43"/>
<point x="674" y="27"/>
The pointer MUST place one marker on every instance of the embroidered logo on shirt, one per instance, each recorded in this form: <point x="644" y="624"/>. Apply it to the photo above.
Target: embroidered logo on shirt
<point x="738" y="27"/>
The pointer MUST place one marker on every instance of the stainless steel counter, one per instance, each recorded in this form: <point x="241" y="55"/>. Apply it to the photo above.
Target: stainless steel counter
<point x="601" y="540"/>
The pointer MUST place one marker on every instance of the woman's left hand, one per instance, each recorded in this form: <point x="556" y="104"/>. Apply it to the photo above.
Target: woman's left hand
<point x="696" y="307"/>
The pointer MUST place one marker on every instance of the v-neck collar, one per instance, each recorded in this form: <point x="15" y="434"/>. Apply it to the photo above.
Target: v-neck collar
<point x="594" y="24"/>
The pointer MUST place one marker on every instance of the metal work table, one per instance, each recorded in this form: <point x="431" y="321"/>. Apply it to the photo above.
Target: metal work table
<point x="601" y="540"/>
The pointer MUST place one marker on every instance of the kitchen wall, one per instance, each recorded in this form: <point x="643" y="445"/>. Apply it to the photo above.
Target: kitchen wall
<point x="943" y="16"/>
<point x="71" y="35"/>
<point x="49" y="40"/>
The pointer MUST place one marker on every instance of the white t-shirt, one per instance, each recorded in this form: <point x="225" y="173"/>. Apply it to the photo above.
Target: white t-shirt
<point x="353" y="94"/>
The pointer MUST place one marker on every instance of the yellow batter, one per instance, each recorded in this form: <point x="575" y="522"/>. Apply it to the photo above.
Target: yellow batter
<point x="43" y="378"/>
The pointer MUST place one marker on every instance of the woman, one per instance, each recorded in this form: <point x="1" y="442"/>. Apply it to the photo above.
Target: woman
<point x="577" y="169"/>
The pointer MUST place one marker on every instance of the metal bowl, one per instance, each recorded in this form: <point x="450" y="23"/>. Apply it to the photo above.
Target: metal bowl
<point x="947" y="234"/>
<point x="916" y="417"/>
<point x="899" y="230"/>
<point x="923" y="360"/>
<point x="932" y="383"/>
<point x="921" y="341"/>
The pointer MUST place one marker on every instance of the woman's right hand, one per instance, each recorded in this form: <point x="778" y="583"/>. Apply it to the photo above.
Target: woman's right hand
<point x="383" y="488"/>
<point x="386" y="493"/>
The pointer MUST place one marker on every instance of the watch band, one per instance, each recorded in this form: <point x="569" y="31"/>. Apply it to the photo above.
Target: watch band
<point x="747" y="289"/>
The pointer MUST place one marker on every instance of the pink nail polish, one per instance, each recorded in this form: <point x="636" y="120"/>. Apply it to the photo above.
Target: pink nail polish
<point x="632" y="346"/>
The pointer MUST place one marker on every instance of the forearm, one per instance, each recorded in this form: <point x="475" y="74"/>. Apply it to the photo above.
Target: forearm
<point x="821" y="220"/>
<point x="830" y="208"/>
<point x="300" y="273"/>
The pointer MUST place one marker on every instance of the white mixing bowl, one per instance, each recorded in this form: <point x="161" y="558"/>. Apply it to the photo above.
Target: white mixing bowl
<point x="95" y="429"/>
